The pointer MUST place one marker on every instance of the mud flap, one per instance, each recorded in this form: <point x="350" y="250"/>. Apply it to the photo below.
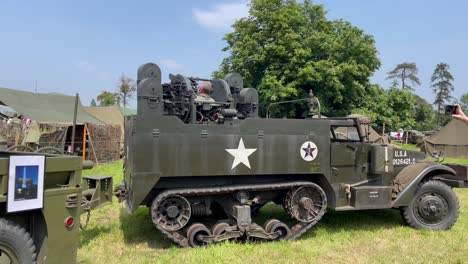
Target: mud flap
<point x="143" y="182"/>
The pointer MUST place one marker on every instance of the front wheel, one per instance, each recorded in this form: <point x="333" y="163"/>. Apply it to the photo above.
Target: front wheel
<point x="16" y="245"/>
<point x="434" y="207"/>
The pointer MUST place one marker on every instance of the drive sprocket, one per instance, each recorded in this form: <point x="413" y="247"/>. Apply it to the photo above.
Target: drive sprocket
<point x="306" y="204"/>
<point x="172" y="213"/>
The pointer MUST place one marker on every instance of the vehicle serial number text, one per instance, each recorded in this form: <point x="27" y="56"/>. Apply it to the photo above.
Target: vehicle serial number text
<point x="404" y="161"/>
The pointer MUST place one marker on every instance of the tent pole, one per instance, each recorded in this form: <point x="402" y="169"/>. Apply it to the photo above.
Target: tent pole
<point x="84" y="141"/>
<point x="74" y="124"/>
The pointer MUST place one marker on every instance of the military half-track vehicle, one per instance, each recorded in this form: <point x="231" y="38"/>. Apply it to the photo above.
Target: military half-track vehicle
<point x="206" y="167"/>
<point x="41" y="204"/>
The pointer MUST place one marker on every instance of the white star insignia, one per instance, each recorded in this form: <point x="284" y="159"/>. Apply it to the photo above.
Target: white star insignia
<point x="241" y="155"/>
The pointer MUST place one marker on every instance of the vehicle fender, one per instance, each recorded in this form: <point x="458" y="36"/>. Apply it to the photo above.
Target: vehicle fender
<point x="406" y="182"/>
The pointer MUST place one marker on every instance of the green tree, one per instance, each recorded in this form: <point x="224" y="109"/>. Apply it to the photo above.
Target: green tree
<point x="106" y="98"/>
<point x="125" y="89"/>
<point x="423" y="114"/>
<point x="393" y="106"/>
<point x="403" y="74"/>
<point x="376" y="107"/>
<point x="93" y="102"/>
<point x="442" y="85"/>
<point x="464" y="102"/>
<point x="284" y="48"/>
<point x="402" y="103"/>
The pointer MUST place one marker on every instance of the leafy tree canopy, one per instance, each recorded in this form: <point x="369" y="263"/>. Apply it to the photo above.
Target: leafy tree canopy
<point x="125" y="89"/>
<point x="284" y="48"/>
<point x="106" y="98"/>
<point x="404" y="73"/>
<point x="393" y="106"/>
<point x="464" y="102"/>
<point x="424" y="114"/>
<point x="93" y="102"/>
<point x="442" y="85"/>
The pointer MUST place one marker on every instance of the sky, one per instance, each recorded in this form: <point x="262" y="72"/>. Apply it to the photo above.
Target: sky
<point x="31" y="172"/>
<point x="84" y="46"/>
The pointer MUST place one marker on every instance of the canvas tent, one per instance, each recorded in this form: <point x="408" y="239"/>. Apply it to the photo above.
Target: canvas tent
<point x="45" y="107"/>
<point x="452" y="140"/>
<point x="51" y="126"/>
<point x="106" y="114"/>
<point x="51" y="115"/>
<point x="128" y="111"/>
<point x="110" y="115"/>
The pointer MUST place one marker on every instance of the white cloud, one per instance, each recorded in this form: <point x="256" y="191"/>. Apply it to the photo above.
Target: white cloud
<point x="221" y="16"/>
<point x="170" y="64"/>
<point x="85" y="66"/>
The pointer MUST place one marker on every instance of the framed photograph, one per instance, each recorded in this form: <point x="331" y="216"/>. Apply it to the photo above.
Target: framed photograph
<point x="25" y="183"/>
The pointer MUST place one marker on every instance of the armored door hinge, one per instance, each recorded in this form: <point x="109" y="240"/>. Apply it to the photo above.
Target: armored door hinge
<point x="311" y="135"/>
<point x="261" y="134"/>
<point x="155" y="133"/>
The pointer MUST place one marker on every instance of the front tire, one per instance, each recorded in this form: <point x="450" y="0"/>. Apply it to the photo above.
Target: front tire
<point x="16" y="245"/>
<point x="434" y="207"/>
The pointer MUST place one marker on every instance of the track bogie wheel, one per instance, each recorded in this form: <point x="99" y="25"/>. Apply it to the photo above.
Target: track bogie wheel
<point x="269" y="223"/>
<point x="219" y="228"/>
<point x="279" y="228"/>
<point x="195" y="233"/>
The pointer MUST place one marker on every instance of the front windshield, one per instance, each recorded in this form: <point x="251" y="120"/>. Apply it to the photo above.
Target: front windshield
<point x="344" y="133"/>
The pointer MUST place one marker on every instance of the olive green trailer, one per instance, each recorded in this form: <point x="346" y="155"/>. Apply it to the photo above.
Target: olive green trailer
<point x="49" y="232"/>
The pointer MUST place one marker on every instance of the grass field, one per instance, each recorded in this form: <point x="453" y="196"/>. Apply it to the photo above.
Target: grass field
<point x="405" y="146"/>
<point x="377" y="236"/>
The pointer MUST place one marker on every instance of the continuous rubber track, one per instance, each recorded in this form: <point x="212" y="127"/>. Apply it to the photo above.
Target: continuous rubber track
<point x="297" y="230"/>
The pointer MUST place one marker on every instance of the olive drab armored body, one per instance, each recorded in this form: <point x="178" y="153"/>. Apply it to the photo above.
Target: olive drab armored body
<point x="205" y="166"/>
<point x="41" y="199"/>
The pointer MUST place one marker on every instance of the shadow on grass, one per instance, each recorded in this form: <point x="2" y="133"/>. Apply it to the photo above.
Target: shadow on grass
<point x="334" y="222"/>
<point x="138" y="228"/>
<point x="90" y="233"/>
